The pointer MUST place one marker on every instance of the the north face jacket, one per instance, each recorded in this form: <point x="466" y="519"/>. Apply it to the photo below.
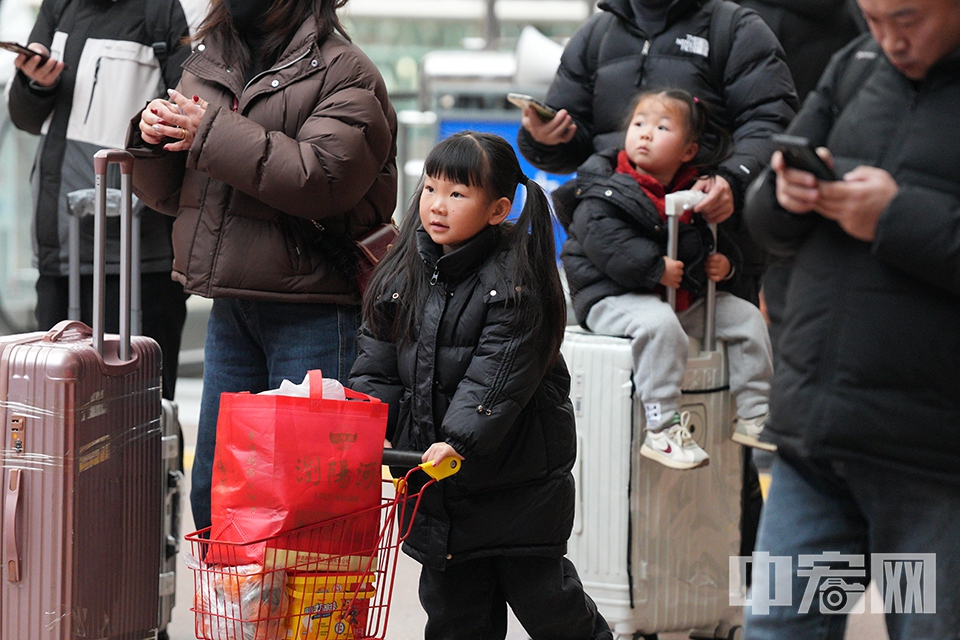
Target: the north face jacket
<point x="112" y="71"/>
<point x="601" y="71"/>
<point x="610" y="59"/>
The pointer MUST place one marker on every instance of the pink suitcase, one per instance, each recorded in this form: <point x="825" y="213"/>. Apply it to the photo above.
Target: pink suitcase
<point x="82" y="497"/>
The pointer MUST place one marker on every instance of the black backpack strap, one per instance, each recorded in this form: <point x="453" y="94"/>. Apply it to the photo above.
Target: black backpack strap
<point x="157" y="21"/>
<point x="58" y="8"/>
<point x="859" y="67"/>
<point x="723" y="25"/>
<point x="597" y="36"/>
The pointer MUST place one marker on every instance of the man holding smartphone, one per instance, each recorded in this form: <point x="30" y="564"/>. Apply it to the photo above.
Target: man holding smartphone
<point x="723" y="54"/>
<point x="99" y="62"/>
<point x="720" y="53"/>
<point x="865" y="406"/>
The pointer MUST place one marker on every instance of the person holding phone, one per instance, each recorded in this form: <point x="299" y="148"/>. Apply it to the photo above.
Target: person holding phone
<point x="865" y="408"/>
<point x="798" y="153"/>
<point x="40" y="52"/>
<point x="722" y="54"/>
<point x="95" y="64"/>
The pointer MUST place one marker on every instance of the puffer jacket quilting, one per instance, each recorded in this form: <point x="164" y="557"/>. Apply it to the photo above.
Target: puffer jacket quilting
<point x="609" y="60"/>
<point x="473" y="380"/>
<point x="617" y="241"/>
<point x="757" y="97"/>
<point x="311" y="139"/>
<point x="870" y="348"/>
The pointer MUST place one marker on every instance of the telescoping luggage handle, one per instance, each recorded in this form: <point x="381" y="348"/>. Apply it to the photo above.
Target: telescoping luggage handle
<point x="676" y="203"/>
<point x="101" y="160"/>
<point x="79" y="205"/>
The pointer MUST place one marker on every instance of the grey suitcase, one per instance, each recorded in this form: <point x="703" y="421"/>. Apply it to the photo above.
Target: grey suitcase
<point x="172" y="482"/>
<point x="652" y="544"/>
<point x="81" y="467"/>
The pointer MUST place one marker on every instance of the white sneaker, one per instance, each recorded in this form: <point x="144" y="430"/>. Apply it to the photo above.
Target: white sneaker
<point x="747" y="432"/>
<point x="674" y="447"/>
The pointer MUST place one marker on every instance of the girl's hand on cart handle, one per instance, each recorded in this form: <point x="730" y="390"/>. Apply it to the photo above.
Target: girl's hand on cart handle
<point x="440" y="451"/>
<point x="441" y="460"/>
<point x="437" y="469"/>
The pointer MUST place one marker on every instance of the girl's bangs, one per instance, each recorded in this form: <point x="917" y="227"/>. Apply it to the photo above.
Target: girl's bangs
<point x="458" y="159"/>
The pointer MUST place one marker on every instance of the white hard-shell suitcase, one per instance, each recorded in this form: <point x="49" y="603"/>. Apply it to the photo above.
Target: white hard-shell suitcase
<point x="652" y="544"/>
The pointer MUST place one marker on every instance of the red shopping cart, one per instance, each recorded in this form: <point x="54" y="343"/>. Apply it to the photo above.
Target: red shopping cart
<point x="328" y="581"/>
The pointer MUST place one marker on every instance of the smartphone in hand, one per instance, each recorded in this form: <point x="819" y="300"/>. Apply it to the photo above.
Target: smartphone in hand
<point x="19" y="48"/>
<point x="799" y="153"/>
<point x="524" y="101"/>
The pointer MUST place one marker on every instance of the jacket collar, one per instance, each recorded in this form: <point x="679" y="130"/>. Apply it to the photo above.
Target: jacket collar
<point x="677" y="10"/>
<point x="452" y="267"/>
<point x="599" y="175"/>
<point x="686" y="176"/>
<point x="207" y="62"/>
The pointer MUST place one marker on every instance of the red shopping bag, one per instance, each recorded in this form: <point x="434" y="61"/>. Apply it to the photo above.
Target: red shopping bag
<point x="285" y="462"/>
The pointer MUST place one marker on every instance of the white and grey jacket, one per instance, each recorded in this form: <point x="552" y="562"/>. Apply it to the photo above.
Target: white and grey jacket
<point x="119" y="55"/>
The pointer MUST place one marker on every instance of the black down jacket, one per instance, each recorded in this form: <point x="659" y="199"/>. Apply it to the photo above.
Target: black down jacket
<point x="811" y="31"/>
<point x="870" y="353"/>
<point x="617" y="241"/>
<point x="609" y="60"/>
<point x="478" y="382"/>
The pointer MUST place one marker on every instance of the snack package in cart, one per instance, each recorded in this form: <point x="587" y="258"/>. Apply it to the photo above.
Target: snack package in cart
<point x="240" y="603"/>
<point x="329" y="606"/>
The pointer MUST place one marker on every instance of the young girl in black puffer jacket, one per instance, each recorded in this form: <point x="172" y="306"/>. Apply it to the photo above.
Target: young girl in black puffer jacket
<point x="462" y="328"/>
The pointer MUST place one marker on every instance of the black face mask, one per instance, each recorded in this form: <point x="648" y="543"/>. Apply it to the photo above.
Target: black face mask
<point x="246" y="13"/>
<point x="651" y="15"/>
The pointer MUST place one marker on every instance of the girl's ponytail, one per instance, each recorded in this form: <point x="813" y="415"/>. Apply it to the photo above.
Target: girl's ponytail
<point x="715" y="141"/>
<point x="403" y="269"/>
<point x="536" y="261"/>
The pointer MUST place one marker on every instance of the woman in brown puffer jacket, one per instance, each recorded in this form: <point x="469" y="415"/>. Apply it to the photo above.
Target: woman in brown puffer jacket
<point x="276" y="151"/>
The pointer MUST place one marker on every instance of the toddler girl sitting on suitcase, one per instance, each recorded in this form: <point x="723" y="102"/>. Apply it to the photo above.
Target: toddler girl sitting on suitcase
<point x="463" y="321"/>
<point x="617" y="271"/>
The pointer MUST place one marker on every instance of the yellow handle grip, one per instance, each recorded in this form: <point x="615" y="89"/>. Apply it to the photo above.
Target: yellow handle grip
<point x="444" y="469"/>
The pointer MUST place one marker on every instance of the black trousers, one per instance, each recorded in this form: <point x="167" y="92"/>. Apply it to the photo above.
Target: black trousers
<point x="469" y="600"/>
<point x="163" y="306"/>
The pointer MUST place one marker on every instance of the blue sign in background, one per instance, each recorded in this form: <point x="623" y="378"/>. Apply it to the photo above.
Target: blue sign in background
<point x="508" y="129"/>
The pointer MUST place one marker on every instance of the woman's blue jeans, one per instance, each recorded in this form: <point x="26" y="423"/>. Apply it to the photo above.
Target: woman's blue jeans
<point x="253" y="346"/>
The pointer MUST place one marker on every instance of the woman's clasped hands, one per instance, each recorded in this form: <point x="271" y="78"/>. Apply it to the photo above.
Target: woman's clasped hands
<point x="177" y="118"/>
